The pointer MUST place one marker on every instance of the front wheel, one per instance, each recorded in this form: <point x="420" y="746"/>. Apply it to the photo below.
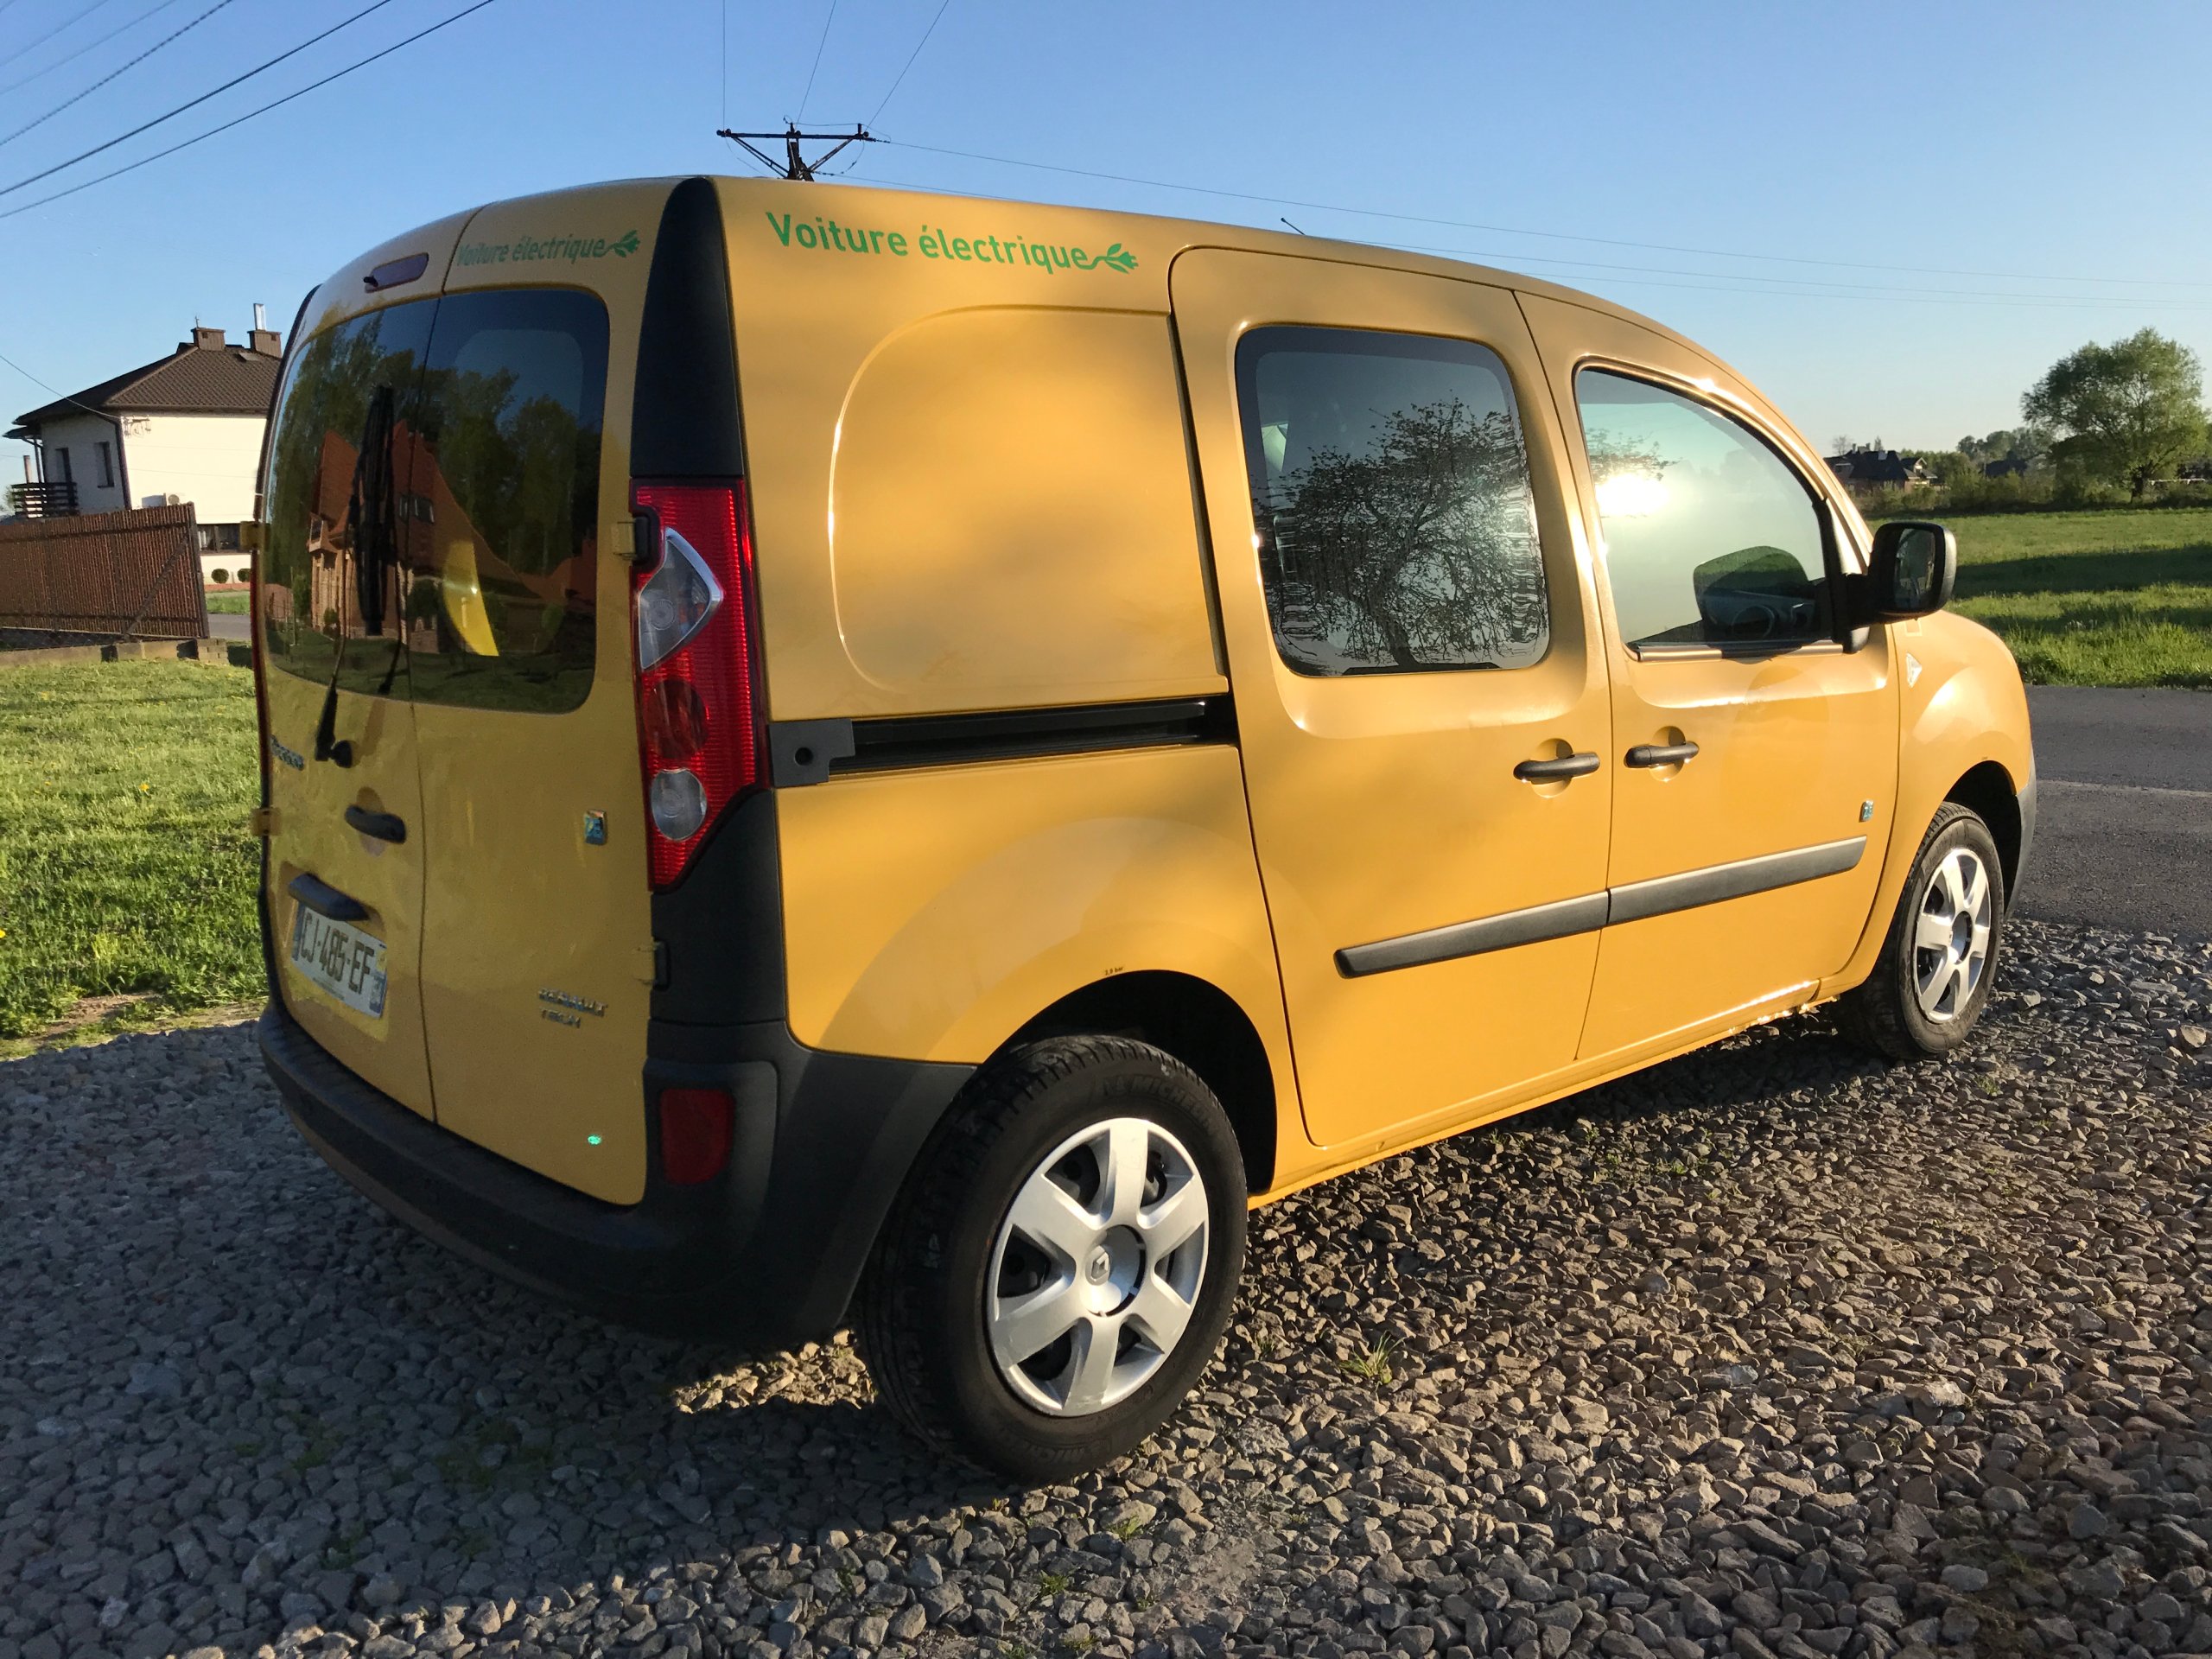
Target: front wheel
<point x="1058" y="1268"/>
<point x="1932" y="980"/>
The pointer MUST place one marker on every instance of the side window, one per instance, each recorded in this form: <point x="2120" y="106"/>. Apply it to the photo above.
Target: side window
<point x="1397" y="529"/>
<point x="333" y="575"/>
<point x="498" y="500"/>
<point x="1711" y="538"/>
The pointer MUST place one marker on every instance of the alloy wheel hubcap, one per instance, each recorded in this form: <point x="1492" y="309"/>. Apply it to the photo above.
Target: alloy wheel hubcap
<point x="1950" y="939"/>
<point x="1095" y="1271"/>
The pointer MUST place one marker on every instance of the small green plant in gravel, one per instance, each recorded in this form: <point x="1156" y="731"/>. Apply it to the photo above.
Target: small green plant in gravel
<point x="126" y="873"/>
<point x="1372" y="1365"/>
<point x="1052" y="1584"/>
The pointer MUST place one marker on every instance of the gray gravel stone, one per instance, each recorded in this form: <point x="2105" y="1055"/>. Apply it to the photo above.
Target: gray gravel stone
<point x="1771" y="1350"/>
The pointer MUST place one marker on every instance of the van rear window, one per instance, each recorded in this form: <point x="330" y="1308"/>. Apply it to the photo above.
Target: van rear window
<point x="458" y="563"/>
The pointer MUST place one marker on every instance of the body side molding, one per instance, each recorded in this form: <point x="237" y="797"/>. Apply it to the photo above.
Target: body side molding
<point x="1589" y="912"/>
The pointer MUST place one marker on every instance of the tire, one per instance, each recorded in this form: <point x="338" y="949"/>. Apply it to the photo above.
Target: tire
<point x="959" y="1292"/>
<point x="1925" y="995"/>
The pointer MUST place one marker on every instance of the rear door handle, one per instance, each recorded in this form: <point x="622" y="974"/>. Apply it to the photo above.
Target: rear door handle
<point x="324" y="899"/>
<point x="1556" y="771"/>
<point x="1660" y="754"/>
<point x="382" y="826"/>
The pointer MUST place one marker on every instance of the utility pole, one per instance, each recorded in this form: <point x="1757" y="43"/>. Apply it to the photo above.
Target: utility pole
<point x="795" y="164"/>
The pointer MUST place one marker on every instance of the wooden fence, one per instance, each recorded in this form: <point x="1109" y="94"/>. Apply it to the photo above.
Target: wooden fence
<point x="134" y="574"/>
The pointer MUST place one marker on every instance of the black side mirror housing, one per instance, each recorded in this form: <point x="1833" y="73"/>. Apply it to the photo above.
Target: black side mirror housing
<point x="1914" y="568"/>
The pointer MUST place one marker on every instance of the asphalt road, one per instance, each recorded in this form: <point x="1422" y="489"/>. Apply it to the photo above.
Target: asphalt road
<point x="223" y="626"/>
<point x="2124" y="837"/>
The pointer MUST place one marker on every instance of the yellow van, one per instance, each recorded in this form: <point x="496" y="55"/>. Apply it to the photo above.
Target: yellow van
<point x="833" y="755"/>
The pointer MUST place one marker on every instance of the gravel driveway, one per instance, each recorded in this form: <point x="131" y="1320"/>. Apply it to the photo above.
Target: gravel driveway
<point x="1770" y="1351"/>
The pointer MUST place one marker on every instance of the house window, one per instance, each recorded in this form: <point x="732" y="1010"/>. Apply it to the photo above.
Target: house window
<point x="61" y="461"/>
<point x="107" y="467"/>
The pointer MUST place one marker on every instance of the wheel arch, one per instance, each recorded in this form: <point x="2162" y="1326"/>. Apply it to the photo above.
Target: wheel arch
<point x="1200" y="1025"/>
<point x="1986" y="790"/>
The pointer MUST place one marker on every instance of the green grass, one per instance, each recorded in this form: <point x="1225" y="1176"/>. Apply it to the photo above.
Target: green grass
<point x="2111" y="598"/>
<point x="126" y="873"/>
<point x="227" y="604"/>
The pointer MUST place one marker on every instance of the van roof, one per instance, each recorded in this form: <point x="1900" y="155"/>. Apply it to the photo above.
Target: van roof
<point x="1163" y="236"/>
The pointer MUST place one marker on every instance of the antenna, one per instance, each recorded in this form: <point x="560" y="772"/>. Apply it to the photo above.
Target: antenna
<point x="794" y="164"/>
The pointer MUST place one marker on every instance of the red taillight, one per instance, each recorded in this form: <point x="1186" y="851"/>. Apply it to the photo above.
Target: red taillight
<point x="695" y="1133"/>
<point x="692" y="630"/>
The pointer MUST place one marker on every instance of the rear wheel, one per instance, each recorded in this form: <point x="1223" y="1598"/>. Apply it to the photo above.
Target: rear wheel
<point x="1932" y="980"/>
<point x="1062" y="1261"/>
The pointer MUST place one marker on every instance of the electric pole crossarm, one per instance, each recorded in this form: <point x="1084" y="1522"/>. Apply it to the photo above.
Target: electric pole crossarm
<point x="795" y="164"/>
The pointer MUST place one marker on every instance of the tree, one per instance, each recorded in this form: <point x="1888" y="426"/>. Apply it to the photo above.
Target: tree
<point x="2129" y="412"/>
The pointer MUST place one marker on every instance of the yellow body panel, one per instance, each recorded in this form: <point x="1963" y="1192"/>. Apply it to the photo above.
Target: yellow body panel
<point x="1962" y="704"/>
<point x="1006" y="521"/>
<point x="1017" y="527"/>
<point x="311" y="837"/>
<point x="1385" y="805"/>
<point x="932" y="913"/>
<point x="1797" y="749"/>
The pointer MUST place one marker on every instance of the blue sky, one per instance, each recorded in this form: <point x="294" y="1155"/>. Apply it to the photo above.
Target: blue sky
<point x="2055" y="150"/>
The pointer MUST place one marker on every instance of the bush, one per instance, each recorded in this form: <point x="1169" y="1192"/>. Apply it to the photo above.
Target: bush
<point x="219" y="576"/>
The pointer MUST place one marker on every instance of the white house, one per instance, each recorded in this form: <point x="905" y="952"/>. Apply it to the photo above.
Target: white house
<point x="184" y="427"/>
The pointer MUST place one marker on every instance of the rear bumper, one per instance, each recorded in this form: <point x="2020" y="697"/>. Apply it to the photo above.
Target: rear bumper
<point x="766" y="1255"/>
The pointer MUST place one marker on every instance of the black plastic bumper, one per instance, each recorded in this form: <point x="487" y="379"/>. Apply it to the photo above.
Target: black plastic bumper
<point x="766" y="1255"/>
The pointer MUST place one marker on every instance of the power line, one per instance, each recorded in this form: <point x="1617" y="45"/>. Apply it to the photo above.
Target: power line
<point x="818" y="45"/>
<point x="112" y="73"/>
<point x="313" y="85"/>
<point x="374" y="5"/>
<point x="69" y="58"/>
<point x="946" y="6"/>
<point x="1556" y="236"/>
<point x="61" y="396"/>
<point x="70" y="22"/>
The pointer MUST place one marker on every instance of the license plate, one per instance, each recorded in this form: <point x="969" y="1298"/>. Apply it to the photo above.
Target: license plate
<point x="341" y="959"/>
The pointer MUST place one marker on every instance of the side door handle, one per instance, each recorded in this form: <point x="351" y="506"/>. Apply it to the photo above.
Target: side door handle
<point x="324" y="899"/>
<point x="1660" y="754"/>
<point x="1558" y="771"/>
<point x="381" y="826"/>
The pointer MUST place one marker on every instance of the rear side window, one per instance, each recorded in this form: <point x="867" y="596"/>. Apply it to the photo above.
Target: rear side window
<point x="499" y="500"/>
<point x="434" y="501"/>
<point x="1712" y="540"/>
<point x="1396" y="524"/>
<point x="331" y="575"/>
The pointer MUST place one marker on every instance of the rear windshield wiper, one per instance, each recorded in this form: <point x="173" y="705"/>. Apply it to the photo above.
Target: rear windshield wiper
<point x="371" y="511"/>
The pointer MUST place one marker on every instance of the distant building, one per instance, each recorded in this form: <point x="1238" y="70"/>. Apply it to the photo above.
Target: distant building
<point x="1879" y="467"/>
<point x="2010" y="467"/>
<point x="185" y="428"/>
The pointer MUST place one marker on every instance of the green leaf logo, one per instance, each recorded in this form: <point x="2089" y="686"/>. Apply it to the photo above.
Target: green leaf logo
<point x="627" y="246"/>
<point x="1120" y="257"/>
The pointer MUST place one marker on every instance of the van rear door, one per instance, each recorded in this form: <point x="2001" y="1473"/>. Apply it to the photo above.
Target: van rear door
<point x="346" y="848"/>
<point x="537" y="959"/>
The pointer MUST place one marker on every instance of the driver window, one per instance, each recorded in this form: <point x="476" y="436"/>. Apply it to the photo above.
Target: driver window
<point x="1710" y="539"/>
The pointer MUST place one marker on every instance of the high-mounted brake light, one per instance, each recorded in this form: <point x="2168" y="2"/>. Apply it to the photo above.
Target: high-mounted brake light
<point x="696" y="725"/>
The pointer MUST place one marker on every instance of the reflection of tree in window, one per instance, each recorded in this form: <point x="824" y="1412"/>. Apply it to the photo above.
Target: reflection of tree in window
<point x="1416" y="550"/>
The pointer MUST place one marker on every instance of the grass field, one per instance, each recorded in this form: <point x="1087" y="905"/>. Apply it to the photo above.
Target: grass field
<point x="2111" y="598"/>
<point x="227" y="604"/>
<point x="126" y="873"/>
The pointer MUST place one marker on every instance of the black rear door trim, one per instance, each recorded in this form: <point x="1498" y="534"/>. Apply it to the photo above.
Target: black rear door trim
<point x="802" y="752"/>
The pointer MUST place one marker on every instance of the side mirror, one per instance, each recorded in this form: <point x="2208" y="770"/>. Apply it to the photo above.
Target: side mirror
<point x="1914" y="568"/>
